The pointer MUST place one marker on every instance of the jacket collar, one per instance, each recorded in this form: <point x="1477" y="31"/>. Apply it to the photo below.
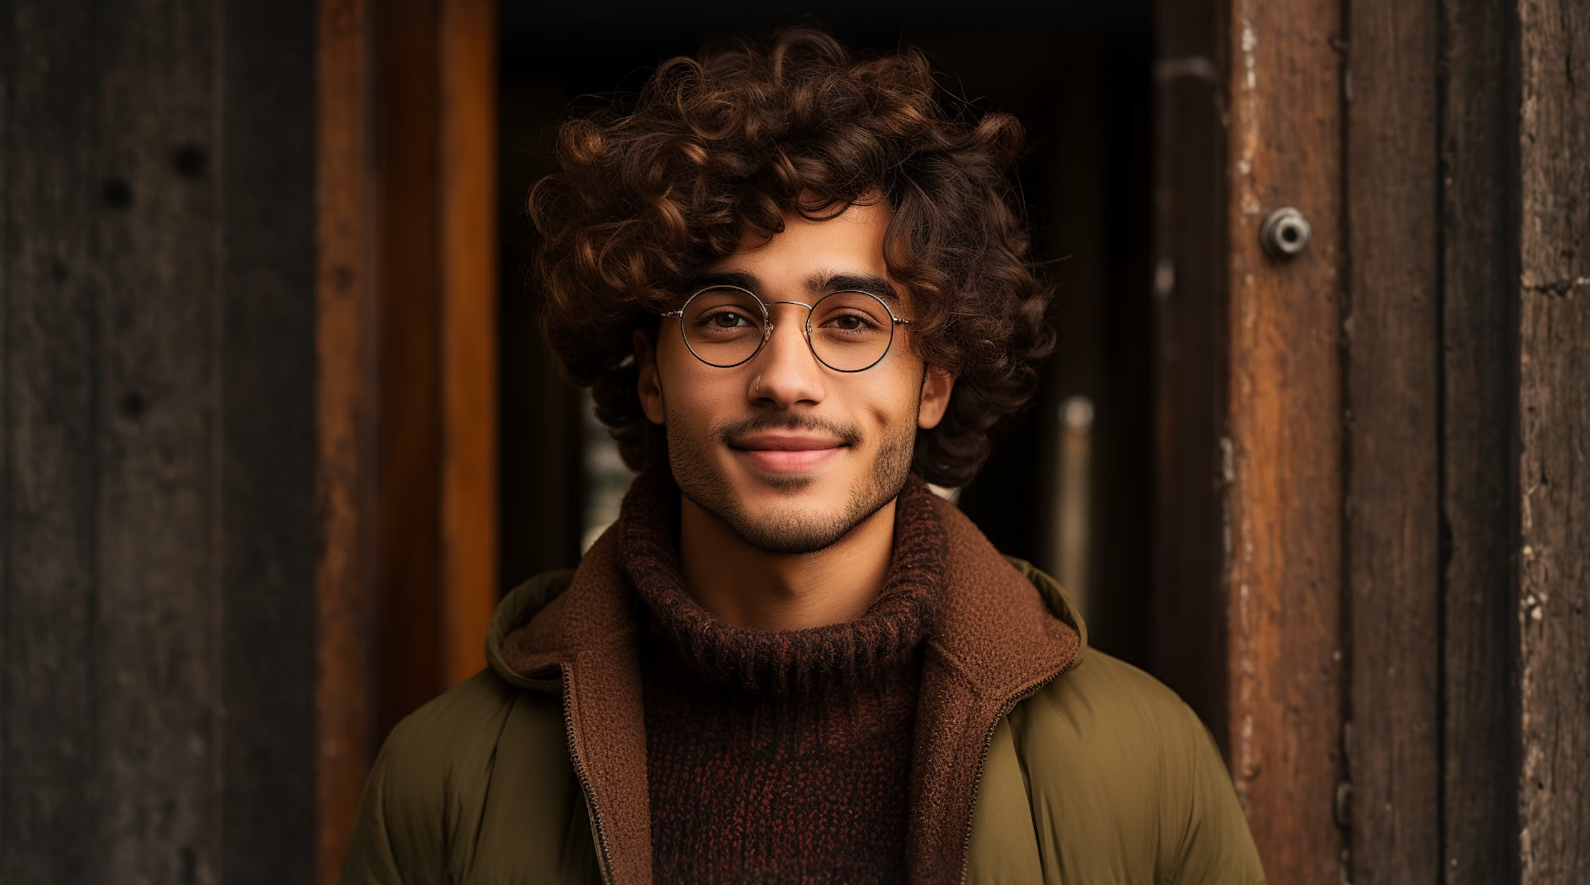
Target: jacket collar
<point x="1005" y="630"/>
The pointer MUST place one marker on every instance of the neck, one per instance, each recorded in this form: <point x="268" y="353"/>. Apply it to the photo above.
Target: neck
<point x="746" y="587"/>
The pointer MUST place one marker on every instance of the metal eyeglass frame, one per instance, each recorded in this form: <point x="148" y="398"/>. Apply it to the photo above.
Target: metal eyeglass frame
<point x="767" y="325"/>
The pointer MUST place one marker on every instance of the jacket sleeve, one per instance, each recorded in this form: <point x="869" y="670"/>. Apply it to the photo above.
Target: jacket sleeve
<point x="397" y="839"/>
<point x="1216" y="846"/>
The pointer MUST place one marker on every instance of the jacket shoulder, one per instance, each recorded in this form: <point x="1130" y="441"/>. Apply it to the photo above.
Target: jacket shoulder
<point x="430" y="782"/>
<point x="1115" y="758"/>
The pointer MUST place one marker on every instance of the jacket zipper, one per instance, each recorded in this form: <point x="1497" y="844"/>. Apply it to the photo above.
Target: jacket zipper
<point x="988" y="743"/>
<point x="603" y="857"/>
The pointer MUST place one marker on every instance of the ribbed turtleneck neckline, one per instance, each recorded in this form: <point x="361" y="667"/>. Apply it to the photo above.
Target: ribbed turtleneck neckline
<point x="784" y="662"/>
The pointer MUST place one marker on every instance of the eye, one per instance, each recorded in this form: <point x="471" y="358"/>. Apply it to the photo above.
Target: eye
<point x="850" y="321"/>
<point x="725" y="319"/>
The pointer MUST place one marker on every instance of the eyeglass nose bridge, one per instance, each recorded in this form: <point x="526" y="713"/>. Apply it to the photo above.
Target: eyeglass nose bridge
<point x="767" y="333"/>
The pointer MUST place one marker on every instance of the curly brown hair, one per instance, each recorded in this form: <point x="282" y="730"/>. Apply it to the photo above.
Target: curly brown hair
<point x="712" y="153"/>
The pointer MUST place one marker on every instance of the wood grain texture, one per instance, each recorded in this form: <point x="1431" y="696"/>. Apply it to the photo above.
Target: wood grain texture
<point x="468" y="183"/>
<point x="1393" y="449"/>
<point x="1479" y="325"/>
<point x="1554" y="441"/>
<point x="345" y="289"/>
<point x="265" y="442"/>
<point x="1283" y="439"/>
<point x="49" y="385"/>
<point x="157" y="532"/>
<point x="157" y="634"/>
<point x="409" y="410"/>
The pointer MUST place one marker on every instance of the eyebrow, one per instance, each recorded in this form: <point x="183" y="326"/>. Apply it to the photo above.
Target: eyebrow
<point x="820" y="283"/>
<point x="823" y="283"/>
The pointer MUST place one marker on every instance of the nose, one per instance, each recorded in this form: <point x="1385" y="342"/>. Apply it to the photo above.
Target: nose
<point x="786" y="372"/>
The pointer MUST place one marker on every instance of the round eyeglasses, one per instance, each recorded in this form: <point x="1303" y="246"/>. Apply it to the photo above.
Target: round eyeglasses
<point x="725" y="326"/>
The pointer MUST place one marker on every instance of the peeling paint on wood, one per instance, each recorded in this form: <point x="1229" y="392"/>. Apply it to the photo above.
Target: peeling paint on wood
<point x="1284" y="396"/>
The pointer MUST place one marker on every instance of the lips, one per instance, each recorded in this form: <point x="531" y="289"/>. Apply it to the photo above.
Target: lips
<point x="786" y="452"/>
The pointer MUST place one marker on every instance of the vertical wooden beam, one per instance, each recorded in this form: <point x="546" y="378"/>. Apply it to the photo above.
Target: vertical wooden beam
<point x="1554" y="441"/>
<point x="157" y="523"/>
<point x="50" y="197"/>
<point x="437" y="81"/>
<point x="409" y="405"/>
<point x="1393" y="452"/>
<point x="1282" y="444"/>
<point x="468" y="179"/>
<point x="158" y="504"/>
<point x="265" y="444"/>
<point x="1479" y="326"/>
<point x="345" y="290"/>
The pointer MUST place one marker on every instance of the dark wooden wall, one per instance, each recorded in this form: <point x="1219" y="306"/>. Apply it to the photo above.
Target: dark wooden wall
<point x="1396" y="453"/>
<point x="157" y="448"/>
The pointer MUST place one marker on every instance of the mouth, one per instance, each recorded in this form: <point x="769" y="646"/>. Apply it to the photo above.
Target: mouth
<point x="787" y="452"/>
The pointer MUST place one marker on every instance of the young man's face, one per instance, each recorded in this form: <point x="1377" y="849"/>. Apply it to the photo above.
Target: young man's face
<point x="787" y="452"/>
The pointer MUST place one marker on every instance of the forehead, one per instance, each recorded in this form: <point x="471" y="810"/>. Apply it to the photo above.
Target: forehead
<point x="848" y="243"/>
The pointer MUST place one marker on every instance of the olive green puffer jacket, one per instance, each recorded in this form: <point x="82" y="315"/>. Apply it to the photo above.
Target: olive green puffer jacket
<point x="1065" y="766"/>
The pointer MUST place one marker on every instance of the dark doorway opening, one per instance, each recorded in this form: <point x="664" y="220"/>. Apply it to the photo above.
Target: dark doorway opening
<point x="1078" y="77"/>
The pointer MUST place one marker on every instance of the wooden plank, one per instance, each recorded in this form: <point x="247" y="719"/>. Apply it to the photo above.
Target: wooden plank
<point x="410" y="399"/>
<point x="1283" y="444"/>
<point x="1392" y="472"/>
<point x="265" y="442"/>
<point x="1188" y="635"/>
<point x="468" y="182"/>
<point x="157" y="688"/>
<point x="50" y="196"/>
<point x="345" y="308"/>
<point x="1479" y="403"/>
<point x="1554" y="441"/>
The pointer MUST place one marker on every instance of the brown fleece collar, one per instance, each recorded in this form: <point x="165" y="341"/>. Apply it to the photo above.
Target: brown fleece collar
<point x="785" y="662"/>
<point x="995" y="643"/>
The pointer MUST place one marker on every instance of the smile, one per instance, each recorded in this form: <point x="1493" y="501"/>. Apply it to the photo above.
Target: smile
<point x="784" y="452"/>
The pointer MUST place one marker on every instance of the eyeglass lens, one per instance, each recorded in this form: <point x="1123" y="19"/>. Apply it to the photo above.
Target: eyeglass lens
<point x="849" y="331"/>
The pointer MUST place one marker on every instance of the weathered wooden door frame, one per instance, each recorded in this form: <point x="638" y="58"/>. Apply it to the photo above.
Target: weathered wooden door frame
<point x="407" y="411"/>
<point x="1371" y="553"/>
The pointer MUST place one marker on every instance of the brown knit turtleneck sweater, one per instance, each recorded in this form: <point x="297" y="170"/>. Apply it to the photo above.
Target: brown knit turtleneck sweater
<point x="778" y="757"/>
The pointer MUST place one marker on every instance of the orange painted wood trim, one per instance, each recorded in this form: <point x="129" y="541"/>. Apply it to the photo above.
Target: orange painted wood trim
<point x="1282" y="446"/>
<point x="468" y="54"/>
<point x="344" y="299"/>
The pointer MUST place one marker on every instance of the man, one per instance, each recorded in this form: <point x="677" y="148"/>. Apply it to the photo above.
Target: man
<point x="799" y="292"/>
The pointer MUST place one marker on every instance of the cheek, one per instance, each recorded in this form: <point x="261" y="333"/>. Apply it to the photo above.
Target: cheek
<point x="697" y="397"/>
<point x="894" y="400"/>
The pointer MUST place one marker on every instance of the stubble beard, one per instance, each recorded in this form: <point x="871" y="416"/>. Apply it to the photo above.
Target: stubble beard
<point x="788" y="529"/>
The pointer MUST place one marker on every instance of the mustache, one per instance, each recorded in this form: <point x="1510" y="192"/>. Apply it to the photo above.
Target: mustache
<point x="730" y="432"/>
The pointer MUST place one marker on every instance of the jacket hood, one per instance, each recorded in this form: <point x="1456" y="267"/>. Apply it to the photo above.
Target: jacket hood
<point x="527" y="600"/>
<point x="515" y="610"/>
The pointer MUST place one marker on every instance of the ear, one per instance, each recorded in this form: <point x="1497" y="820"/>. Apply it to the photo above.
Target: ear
<point x="647" y="382"/>
<point x="936" y="387"/>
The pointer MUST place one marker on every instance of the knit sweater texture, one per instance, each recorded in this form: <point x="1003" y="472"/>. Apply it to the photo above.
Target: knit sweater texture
<point x="779" y="757"/>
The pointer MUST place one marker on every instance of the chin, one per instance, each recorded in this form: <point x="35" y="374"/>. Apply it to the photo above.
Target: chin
<point x="789" y="530"/>
<point x="795" y="513"/>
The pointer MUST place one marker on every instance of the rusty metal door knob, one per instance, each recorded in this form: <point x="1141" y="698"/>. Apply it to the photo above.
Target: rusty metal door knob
<point x="1285" y="233"/>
